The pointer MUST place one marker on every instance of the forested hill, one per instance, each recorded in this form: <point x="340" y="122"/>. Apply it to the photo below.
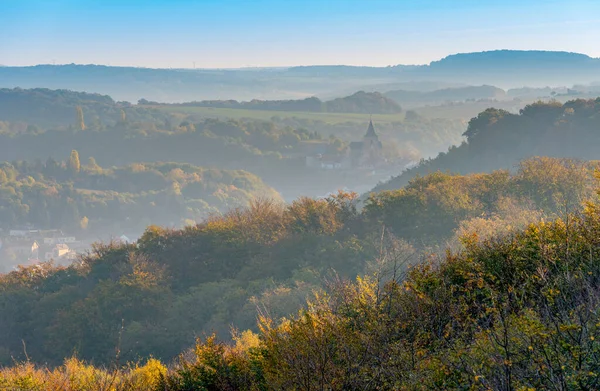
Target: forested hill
<point x="86" y="198"/>
<point x="153" y="297"/>
<point x="514" y="60"/>
<point x="360" y="102"/>
<point x="503" y="68"/>
<point x="43" y="108"/>
<point x="497" y="139"/>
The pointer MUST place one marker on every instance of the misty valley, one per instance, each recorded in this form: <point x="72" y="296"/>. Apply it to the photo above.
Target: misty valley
<point x="409" y="227"/>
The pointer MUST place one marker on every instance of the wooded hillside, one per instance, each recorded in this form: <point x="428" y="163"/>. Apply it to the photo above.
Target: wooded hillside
<point x="497" y="139"/>
<point x="155" y="295"/>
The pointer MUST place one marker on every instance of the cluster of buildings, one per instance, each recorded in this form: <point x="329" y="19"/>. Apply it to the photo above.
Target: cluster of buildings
<point x="31" y="246"/>
<point x="364" y="154"/>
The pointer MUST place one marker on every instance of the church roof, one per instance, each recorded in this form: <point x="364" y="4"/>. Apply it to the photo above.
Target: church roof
<point x="371" y="130"/>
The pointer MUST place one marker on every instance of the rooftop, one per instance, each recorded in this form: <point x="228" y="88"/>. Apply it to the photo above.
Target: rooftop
<point x="371" y="131"/>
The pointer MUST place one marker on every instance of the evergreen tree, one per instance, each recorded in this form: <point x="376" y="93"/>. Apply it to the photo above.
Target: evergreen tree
<point x="52" y="168"/>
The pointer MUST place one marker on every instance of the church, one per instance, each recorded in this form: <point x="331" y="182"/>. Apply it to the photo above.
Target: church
<point x="367" y="153"/>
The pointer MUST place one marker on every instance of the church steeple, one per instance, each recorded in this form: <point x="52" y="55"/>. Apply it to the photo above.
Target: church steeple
<point x="371" y="131"/>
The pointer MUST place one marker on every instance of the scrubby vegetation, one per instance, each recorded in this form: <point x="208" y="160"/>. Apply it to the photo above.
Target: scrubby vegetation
<point x="153" y="297"/>
<point x="441" y="281"/>
<point x="517" y="311"/>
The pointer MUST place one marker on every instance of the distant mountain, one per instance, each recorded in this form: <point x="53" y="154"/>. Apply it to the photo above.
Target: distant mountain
<point x="508" y="59"/>
<point x="503" y="68"/>
<point x="350" y="71"/>
<point x="515" y="68"/>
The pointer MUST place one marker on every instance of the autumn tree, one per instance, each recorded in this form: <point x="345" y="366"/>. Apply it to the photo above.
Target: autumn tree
<point x="84" y="222"/>
<point x="92" y="165"/>
<point x="74" y="164"/>
<point x="80" y="120"/>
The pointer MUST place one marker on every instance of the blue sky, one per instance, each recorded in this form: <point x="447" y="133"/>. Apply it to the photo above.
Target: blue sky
<point x="240" y="33"/>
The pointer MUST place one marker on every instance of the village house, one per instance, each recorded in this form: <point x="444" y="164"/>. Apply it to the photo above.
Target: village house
<point x="60" y="240"/>
<point x="30" y="246"/>
<point x="59" y="252"/>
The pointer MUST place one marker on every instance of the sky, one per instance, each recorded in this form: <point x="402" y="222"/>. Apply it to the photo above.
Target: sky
<point x="267" y="33"/>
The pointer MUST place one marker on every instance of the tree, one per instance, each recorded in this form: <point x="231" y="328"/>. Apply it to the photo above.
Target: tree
<point x="123" y="116"/>
<point x="33" y="129"/>
<point x="175" y="189"/>
<point x="80" y="120"/>
<point x="412" y="115"/>
<point x="83" y="223"/>
<point x="74" y="164"/>
<point x="92" y="165"/>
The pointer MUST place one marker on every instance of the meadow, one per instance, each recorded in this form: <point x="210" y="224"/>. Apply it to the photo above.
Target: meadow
<point x="267" y="115"/>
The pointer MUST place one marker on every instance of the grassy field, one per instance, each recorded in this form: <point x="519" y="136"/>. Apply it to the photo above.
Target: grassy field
<point x="333" y="118"/>
<point x="456" y="111"/>
<point x="464" y="111"/>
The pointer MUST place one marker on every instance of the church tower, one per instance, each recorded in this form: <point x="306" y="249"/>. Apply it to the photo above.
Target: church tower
<point x="372" y="149"/>
<point x="371" y="137"/>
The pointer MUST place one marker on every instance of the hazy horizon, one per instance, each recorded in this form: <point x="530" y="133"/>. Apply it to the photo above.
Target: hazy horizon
<point x="292" y="65"/>
<point x="238" y="34"/>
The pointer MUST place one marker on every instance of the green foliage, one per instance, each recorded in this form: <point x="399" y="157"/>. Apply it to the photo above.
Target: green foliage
<point x="515" y="313"/>
<point x="497" y="139"/>
<point x="429" y="208"/>
<point x="66" y="195"/>
<point x="47" y="109"/>
<point x="153" y="297"/>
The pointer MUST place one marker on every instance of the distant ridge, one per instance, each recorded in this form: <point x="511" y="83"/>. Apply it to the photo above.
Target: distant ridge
<point x="513" y="60"/>
<point x="513" y="55"/>
<point x="501" y="68"/>
<point x="466" y="57"/>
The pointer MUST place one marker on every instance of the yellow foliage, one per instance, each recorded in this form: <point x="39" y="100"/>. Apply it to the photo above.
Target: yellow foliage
<point x="75" y="375"/>
<point x="245" y="341"/>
